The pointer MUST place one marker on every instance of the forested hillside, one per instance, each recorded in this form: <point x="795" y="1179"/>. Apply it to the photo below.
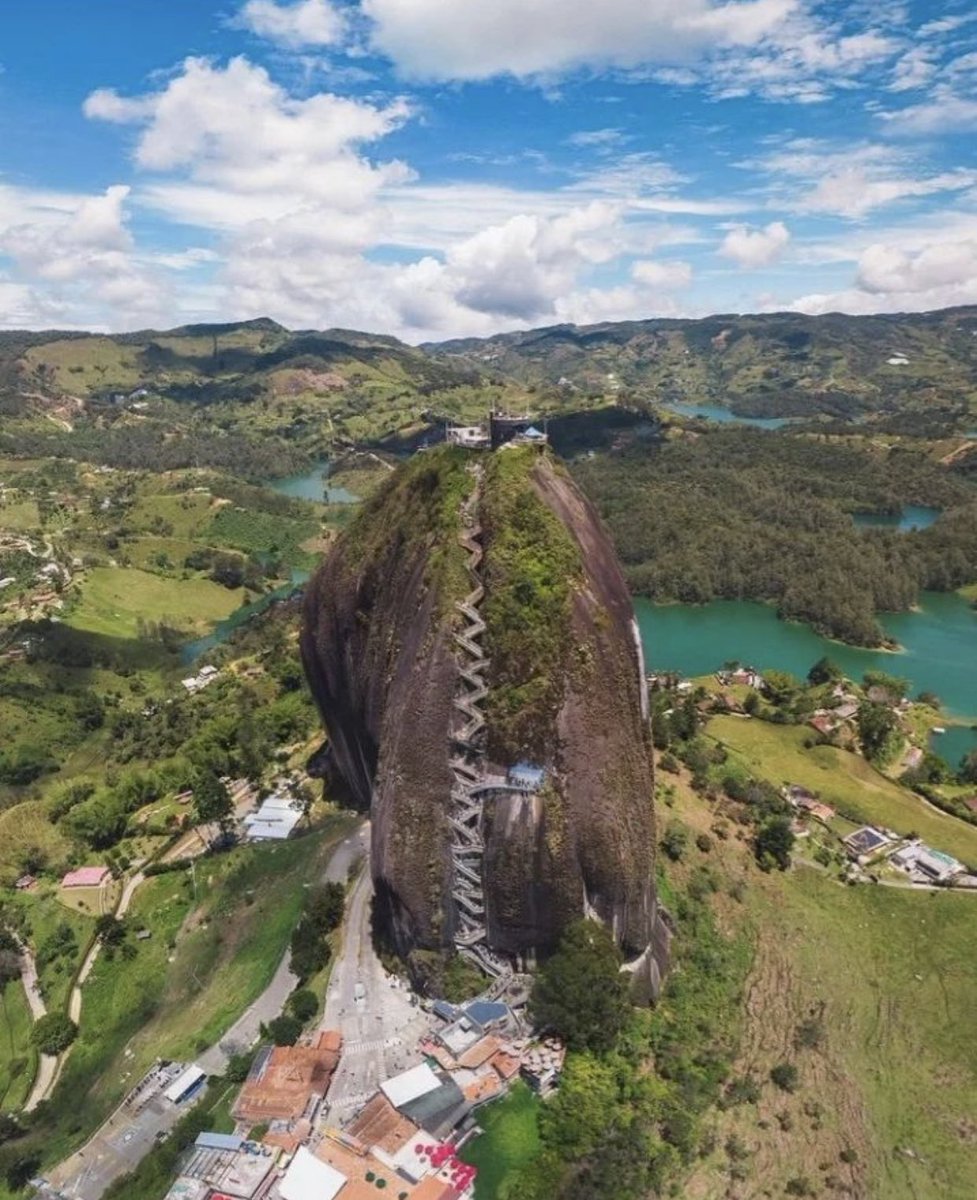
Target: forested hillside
<point x="776" y="364"/>
<point x="740" y="513"/>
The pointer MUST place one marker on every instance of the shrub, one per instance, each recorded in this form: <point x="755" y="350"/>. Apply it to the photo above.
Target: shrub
<point x="674" y="840"/>
<point x="53" y="1033"/>
<point x="704" y="842"/>
<point x="784" y="1075"/>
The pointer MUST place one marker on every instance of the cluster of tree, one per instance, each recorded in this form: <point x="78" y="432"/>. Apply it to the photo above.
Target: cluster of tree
<point x="310" y="949"/>
<point x="745" y="514"/>
<point x="636" y="1083"/>
<point x="154" y="446"/>
<point x="24" y="763"/>
<point x="229" y="570"/>
<point x="301" y="1007"/>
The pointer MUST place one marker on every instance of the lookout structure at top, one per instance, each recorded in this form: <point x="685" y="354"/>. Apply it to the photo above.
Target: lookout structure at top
<point x="503" y="429"/>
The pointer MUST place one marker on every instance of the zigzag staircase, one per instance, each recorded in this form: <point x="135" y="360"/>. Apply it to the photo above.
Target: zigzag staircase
<point x="471" y="779"/>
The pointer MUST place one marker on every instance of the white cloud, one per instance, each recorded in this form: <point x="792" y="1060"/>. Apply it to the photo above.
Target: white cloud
<point x="74" y="258"/>
<point x="943" y="112"/>
<point x="884" y="268"/>
<point x="433" y="40"/>
<point x="852" y="180"/>
<point x="914" y="70"/>
<point x="666" y="276"/>
<point x="599" y="138"/>
<point x="908" y="273"/>
<point x="755" y="247"/>
<point x="305" y="23"/>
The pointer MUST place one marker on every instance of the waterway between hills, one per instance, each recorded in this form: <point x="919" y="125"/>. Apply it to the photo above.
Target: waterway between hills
<point x="722" y="415"/>
<point x="310" y="484"/>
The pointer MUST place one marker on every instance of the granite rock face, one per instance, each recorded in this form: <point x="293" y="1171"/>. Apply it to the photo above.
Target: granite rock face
<point x="563" y="677"/>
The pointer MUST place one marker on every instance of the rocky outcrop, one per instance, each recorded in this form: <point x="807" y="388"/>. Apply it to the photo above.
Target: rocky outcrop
<point x="559" y="683"/>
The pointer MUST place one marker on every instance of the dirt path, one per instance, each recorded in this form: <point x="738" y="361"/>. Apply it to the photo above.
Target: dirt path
<point x="47" y="1067"/>
<point x="50" y="1068"/>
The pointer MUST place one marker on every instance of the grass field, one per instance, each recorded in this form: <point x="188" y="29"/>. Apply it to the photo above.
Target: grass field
<point x="115" y="600"/>
<point x="186" y="514"/>
<point x="510" y="1139"/>
<point x="184" y="986"/>
<point x="17" y="1057"/>
<point x="39" y="916"/>
<point x="20" y="515"/>
<point x="26" y="827"/>
<point x="844" y="780"/>
<point x="888" y="977"/>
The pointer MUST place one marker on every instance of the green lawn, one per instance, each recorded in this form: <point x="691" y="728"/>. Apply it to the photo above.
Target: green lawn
<point x="20" y="515"/>
<point x="898" y="972"/>
<point x="204" y="964"/>
<point x="115" y="600"/>
<point x="845" y="780"/>
<point x="17" y="1056"/>
<point x="510" y="1140"/>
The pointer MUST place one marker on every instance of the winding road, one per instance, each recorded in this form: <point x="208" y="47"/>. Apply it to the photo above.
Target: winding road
<point x="126" y="1137"/>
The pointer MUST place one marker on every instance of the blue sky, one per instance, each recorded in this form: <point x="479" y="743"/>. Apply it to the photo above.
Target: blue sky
<point x="436" y="168"/>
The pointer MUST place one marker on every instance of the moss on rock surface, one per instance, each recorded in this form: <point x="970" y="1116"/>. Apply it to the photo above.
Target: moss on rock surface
<point x="564" y="691"/>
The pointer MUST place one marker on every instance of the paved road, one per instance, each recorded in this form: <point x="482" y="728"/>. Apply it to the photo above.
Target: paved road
<point x="127" y="1137"/>
<point x="372" y="1009"/>
<point x="246" y="1030"/>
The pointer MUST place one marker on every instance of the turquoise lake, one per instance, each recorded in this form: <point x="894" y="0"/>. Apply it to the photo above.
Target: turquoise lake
<point x="939" y="644"/>
<point x="723" y="416"/>
<point x="312" y="484"/>
<point x="913" y="516"/>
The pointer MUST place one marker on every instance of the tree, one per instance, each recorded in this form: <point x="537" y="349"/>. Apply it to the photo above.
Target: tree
<point x="285" y="1030"/>
<point x="580" y="992"/>
<point x="784" y="1075"/>
<point x="674" y="840"/>
<point x="53" y="1033"/>
<point x="781" y="687"/>
<point x="894" y="687"/>
<point x="774" y="842"/>
<point x="303" y="1004"/>
<point x="110" y="929"/>
<point x="211" y="799"/>
<point x="825" y="670"/>
<point x="968" y="767"/>
<point x="876" y="726"/>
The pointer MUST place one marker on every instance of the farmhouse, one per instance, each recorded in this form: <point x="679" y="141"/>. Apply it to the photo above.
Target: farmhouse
<point x="86" y="877"/>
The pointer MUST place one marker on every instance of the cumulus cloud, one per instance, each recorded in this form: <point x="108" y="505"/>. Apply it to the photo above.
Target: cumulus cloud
<point x="751" y="248"/>
<point x="779" y="49"/>
<point x="76" y="257"/>
<point x="908" y="274"/>
<point x="667" y="276"/>
<point x="942" y="265"/>
<point x="285" y="183"/>
<point x="432" y="40"/>
<point x="305" y="23"/>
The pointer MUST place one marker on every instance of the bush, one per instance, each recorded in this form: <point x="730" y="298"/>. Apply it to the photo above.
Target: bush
<point x="53" y="1033"/>
<point x="674" y="840"/>
<point x="784" y="1075"/>
<point x="703" y="842"/>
